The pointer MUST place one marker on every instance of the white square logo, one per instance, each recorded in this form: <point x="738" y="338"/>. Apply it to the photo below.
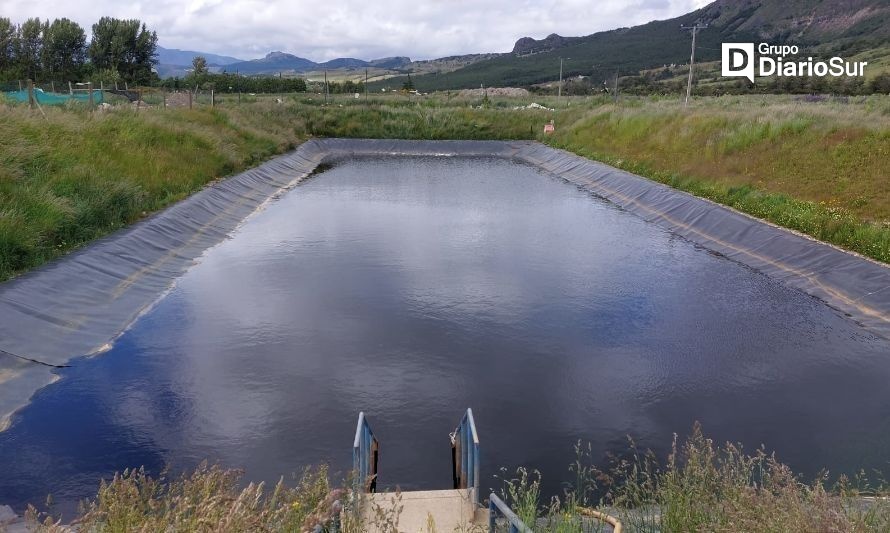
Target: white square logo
<point x="738" y="60"/>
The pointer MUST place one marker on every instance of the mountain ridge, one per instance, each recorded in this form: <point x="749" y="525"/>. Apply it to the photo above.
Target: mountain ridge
<point x="818" y="26"/>
<point x="183" y="58"/>
<point x="282" y="62"/>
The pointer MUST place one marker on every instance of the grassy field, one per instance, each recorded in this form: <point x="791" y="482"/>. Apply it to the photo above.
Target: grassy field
<point x="68" y="176"/>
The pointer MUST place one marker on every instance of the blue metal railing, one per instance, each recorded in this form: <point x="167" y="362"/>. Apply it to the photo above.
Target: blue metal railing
<point x="365" y="453"/>
<point x="465" y="455"/>
<point x="497" y="506"/>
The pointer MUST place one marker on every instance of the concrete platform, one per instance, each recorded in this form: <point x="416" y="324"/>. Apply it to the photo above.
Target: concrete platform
<point x="425" y="511"/>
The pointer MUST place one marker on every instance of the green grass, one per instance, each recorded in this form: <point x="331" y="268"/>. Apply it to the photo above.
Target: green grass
<point x="700" y="486"/>
<point x="72" y="177"/>
<point x="411" y="121"/>
<point x="818" y="168"/>
<point x="208" y="499"/>
<point x="69" y="177"/>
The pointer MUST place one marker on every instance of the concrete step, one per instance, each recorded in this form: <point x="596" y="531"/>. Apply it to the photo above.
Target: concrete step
<point x="423" y="511"/>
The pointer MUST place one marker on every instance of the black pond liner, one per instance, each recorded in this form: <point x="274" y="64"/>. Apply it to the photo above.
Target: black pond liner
<point x="79" y="304"/>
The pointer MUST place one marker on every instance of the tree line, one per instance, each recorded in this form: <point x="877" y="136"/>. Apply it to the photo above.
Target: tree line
<point x="200" y="77"/>
<point x="119" y="50"/>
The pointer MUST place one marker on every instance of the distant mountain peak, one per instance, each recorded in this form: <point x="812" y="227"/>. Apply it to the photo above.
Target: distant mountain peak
<point x="273" y="62"/>
<point x="278" y="61"/>
<point x="390" y="62"/>
<point x="174" y="56"/>
<point x="527" y="45"/>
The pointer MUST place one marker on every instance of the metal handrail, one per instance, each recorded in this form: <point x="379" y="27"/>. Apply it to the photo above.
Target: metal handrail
<point x="465" y="444"/>
<point x="495" y="506"/>
<point x="365" y="449"/>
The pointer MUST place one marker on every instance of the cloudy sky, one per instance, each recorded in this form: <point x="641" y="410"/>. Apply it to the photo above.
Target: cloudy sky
<point x="367" y="29"/>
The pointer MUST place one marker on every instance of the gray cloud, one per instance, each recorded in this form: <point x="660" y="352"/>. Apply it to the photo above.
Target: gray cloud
<point x="349" y="28"/>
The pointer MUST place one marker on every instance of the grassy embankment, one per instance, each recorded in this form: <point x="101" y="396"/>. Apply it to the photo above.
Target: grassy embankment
<point x="822" y="168"/>
<point x="701" y="487"/>
<point x="817" y="167"/>
<point x="71" y="177"/>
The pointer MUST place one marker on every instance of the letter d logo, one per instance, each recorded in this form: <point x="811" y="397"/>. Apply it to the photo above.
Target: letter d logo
<point x="738" y="60"/>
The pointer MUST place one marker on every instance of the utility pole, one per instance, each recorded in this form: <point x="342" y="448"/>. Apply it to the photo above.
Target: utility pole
<point x="695" y="29"/>
<point x="559" y="89"/>
<point x="592" y="74"/>
<point x="366" y="84"/>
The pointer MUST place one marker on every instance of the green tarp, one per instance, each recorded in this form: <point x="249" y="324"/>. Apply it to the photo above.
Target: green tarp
<point x="47" y="98"/>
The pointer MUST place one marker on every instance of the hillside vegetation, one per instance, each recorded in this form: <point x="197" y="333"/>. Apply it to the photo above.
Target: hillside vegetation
<point x="600" y="56"/>
<point x="815" y="166"/>
<point x="819" y="27"/>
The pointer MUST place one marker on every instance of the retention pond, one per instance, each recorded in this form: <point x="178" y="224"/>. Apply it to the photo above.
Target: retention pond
<point x="414" y="287"/>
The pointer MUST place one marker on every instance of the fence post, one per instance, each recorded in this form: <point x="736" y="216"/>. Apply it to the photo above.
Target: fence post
<point x="164" y="94"/>
<point x="20" y="85"/>
<point x="190" y="99"/>
<point x="70" y="89"/>
<point x="52" y="86"/>
<point x="126" y="86"/>
<point x="212" y="99"/>
<point x="102" y="86"/>
<point x="31" y="100"/>
<point x="90" y="88"/>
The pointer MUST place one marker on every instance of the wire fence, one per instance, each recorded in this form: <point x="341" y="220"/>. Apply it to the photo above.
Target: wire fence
<point x="111" y="95"/>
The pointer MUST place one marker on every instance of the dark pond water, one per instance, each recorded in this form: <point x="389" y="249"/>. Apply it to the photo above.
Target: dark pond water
<point x="414" y="288"/>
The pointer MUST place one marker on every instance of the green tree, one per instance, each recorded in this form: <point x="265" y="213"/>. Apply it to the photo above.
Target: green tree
<point x="145" y="56"/>
<point x="125" y="46"/>
<point x="64" y="50"/>
<point x="8" y="39"/>
<point x="408" y="86"/>
<point x="29" y="47"/>
<point x="107" y="76"/>
<point x="199" y="66"/>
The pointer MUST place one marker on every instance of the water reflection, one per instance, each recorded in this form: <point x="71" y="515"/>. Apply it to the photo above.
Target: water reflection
<point x="413" y="288"/>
